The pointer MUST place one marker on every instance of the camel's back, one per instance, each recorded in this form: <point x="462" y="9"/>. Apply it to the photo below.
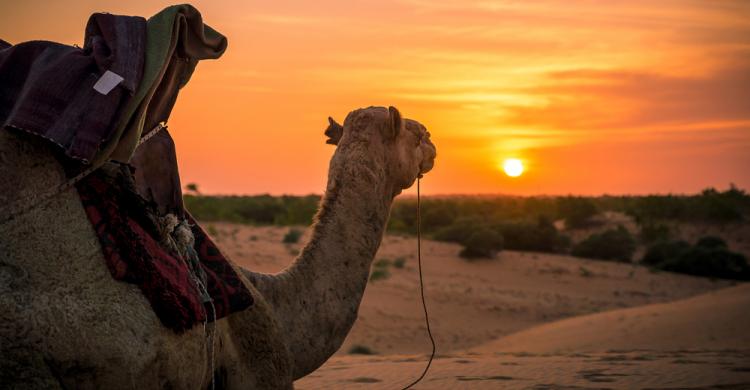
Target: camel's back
<point x="61" y="313"/>
<point x="66" y="323"/>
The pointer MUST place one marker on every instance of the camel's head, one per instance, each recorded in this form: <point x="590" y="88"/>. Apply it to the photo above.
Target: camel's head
<point x="401" y="145"/>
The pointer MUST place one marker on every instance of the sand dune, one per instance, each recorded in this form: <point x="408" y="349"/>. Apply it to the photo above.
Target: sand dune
<point x="715" y="320"/>
<point x="471" y="303"/>
<point x="697" y="343"/>
<point x="527" y="321"/>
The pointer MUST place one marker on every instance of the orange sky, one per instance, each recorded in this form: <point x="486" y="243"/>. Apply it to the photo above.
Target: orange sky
<point x="595" y="97"/>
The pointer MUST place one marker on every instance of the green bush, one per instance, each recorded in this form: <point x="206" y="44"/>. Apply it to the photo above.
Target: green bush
<point x="400" y="262"/>
<point x="709" y="257"/>
<point x="192" y="187"/>
<point x="457" y="232"/>
<point x="576" y="211"/>
<point x="732" y="205"/>
<point x="255" y="210"/>
<point x="614" y="244"/>
<point x="483" y="242"/>
<point x="382" y="263"/>
<point x="292" y="236"/>
<point x="710" y="206"/>
<point x="380" y="270"/>
<point x="716" y="263"/>
<point x="379" y="274"/>
<point x="541" y="236"/>
<point x="654" y="232"/>
<point x="664" y="250"/>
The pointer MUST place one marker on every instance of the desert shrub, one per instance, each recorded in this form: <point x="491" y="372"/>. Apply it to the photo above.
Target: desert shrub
<point x="192" y="188"/>
<point x="459" y="231"/>
<point x="483" y="242"/>
<point x="358" y="349"/>
<point x="292" y="236"/>
<point x="613" y="244"/>
<point x="379" y="274"/>
<point x="709" y="206"/>
<point x="436" y="213"/>
<point x="711" y="242"/>
<point x="716" y="206"/>
<point x="541" y="236"/>
<point x="399" y="262"/>
<point x="255" y="210"/>
<point x="656" y="207"/>
<point x="382" y="263"/>
<point x="296" y="210"/>
<point x="380" y="270"/>
<point x="664" y="250"/>
<point x="654" y="232"/>
<point x="709" y="262"/>
<point x="576" y="211"/>
<point x="709" y="257"/>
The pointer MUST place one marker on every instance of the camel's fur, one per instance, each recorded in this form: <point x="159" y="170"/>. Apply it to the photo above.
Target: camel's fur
<point x="65" y="323"/>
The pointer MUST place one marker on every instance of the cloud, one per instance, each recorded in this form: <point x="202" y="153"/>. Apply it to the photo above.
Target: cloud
<point x="617" y="100"/>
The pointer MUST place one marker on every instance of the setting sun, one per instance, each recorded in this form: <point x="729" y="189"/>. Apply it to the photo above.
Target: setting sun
<point x="513" y="167"/>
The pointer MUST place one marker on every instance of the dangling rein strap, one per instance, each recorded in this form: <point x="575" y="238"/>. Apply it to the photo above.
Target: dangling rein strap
<point x="421" y="287"/>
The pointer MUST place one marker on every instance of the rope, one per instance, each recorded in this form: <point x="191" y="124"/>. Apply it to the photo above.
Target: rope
<point x="210" y="335"/>
<point x="421" y="288"/>
<point x="177" y="237"/>
<point x="18" y="208"/>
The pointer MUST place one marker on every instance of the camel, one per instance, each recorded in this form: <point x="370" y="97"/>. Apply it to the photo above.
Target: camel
<point x="66" y="323"/>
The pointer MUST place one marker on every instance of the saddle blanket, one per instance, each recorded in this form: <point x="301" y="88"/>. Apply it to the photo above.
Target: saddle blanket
<point x="133" y="255"/>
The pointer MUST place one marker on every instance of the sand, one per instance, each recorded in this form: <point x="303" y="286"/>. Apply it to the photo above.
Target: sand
<point x="717" y="320"/>
<point x="526" y="320"/>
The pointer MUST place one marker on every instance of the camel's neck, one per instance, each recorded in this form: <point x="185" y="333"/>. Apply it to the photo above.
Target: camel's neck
<point x="316" y="299"/>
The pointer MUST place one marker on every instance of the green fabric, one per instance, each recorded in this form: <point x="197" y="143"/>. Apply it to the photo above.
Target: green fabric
<point x="176" y="40"/>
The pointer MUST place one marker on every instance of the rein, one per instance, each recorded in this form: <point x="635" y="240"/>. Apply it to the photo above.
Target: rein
<point x="421" y="287"/>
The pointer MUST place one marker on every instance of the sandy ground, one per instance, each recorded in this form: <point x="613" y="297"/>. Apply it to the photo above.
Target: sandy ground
<point x="714" y="320"/>
<point x="526" y="320"/>
<point x="631" y="369"/>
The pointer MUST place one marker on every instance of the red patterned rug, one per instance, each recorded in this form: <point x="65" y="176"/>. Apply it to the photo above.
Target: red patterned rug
<point x="133" y="255"/>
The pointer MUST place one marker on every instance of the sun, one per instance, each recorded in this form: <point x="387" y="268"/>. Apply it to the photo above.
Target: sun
<point x="513" y="167"/>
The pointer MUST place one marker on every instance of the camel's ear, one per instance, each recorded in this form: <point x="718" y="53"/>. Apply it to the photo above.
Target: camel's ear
<point x="334" y="132"/>
<point x="393" y="127"/>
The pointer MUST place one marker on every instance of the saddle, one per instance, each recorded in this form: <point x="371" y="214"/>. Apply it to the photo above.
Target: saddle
<point x="93" y="104"/>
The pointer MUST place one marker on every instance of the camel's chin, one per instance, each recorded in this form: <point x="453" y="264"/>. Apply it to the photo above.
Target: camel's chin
<point x="425" y="167"/>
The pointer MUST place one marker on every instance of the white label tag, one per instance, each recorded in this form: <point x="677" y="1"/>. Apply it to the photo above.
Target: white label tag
<point x="107" y="82"/>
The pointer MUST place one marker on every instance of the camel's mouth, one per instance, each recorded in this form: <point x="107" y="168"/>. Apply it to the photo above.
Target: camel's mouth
<point x="426" y="146"/>
<point x="429" y="153"/>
